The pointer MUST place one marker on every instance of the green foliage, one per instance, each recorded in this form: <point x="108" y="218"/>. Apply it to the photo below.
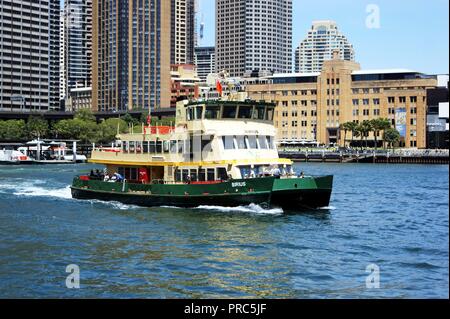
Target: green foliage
<point x="107" y="130"/>
<point x="130" y="119"/>
<point x="392" y="136"/>
<point x="12" y="130"/>
<point x="85" y="115"/>
<point x="36" y="127"/>
<point x="85" y="131"/>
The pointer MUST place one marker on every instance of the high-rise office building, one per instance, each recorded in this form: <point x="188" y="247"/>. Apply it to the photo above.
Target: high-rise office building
<point x="183" y="31"/>
<point x="77" y="44"/>
<point x="322" y="40"/>
<point x="131" y="64"/>
<point x="204" y="59"/>
<point x="29" y="55"/>
<point x="62" y="71"/>
<point x="253" y="35"/>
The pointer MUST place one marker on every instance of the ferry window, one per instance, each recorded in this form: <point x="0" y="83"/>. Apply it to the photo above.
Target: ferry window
<point x="222" y="174"/>
<point x="139" y="147"/>
<point x="252" y="142"/>
<point x="269" y="115"/>
<point x="263" y="143"/>
<point x="270" y="141"/>
<point x="190" y="114"/>
<point x="198" y="112"/>
<point x="124" y="147"/>
<point x="241" y="142"/>
<point x="121" y="171"/>
<point x="229" y="111"/>
<point x="211" y="174"/>
<point x="133" y="174"/>
<point x="131" y="149"/>
<point x="146" y="147"/>
<point x="166" y="146"/>
<point x="245" y="171"/>
<point x="127" y="173"/>
<point x="173" y="147"/>
<point x="159" y="147"/>
<point x="185" y="174"/>
<point x="201" y="175"/>
<point x="194" y="175"/>
<point x="152" y="147"/>
<point x="180" y="147"/>
<point x="177" y="175"/>
<point x="259" y="113"/>
<point x="212" y="112"/>
<point x="228" y="142"/>
<point x="245" y="112"/>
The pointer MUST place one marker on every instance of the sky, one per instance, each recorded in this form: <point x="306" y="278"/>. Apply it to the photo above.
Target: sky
<point x="412" y="34"/>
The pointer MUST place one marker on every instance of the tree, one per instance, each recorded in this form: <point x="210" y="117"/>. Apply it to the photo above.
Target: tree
<point x="12" y="130"/>
<point x="352" y="126"/>
<point x="364" y="130"/>
<point x="77" y="129"/>
<point x="85" y="115"/>
<point x="37" y="127"/>
<point x="344" y="127"/>
<point x="379" y="125"/>
<point x="129" y="119"/>
<point x="391" y="136"/>
<point x="107" y="130"/>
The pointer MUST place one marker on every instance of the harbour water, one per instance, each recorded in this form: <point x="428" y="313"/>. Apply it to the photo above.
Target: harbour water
<point x="393" y="216"/>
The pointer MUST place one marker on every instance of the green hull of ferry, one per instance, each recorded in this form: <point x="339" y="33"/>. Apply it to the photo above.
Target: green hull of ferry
<point x="269" y="192"/>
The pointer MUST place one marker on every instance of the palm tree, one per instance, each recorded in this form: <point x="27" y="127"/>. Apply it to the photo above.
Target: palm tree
<point x="344" y="127"/>
<point x="351" y="126"/>
<point x="385" y="124"/>
<point x="365" y="128"/>
<point x="379" y="125"/>
<point x="391" y="136"/>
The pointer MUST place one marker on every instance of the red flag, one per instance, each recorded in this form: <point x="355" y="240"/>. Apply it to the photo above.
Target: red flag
<point x="149" y="120"/>
<point x="219" y="87"/>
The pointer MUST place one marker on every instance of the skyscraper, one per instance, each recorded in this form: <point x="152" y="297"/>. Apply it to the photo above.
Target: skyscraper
<point x="131" y="62"/>
<point x="77" y="44"/>
<point x="183" y="31"/>
<point x="322" y="40"/>
<point x="29" y="55"/>
<point x="205" y="61"/>
<point x="253" y="35"/>
<point x="62" y="52"/>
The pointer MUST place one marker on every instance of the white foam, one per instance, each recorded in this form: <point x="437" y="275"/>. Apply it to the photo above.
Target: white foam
<point x="251" y="209"/>
<point x="34" y="191"/>
<point x="328" y="208"/>
<point x="115" y="205"/>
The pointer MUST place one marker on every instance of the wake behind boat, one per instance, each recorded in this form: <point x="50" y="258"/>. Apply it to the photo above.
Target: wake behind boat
<point x="219" y="153"/>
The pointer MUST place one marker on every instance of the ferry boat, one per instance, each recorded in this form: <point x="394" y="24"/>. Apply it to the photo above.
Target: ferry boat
<point x="219" y="153"/>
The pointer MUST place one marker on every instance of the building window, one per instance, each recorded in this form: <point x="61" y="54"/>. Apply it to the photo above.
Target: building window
<point x="413" y="122"/>
<point x="355" y="102"/>
<point x="402" y="99"/>
<point x="391" y="100"/>
<point x="413" y="99"/>
<point x="376" y="101"/>
<point x="376" y="112"/>
<point x="414" y="110"/>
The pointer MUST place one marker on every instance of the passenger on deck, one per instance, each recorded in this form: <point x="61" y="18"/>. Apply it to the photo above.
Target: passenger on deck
<point x="276" y="172"/>
<point x="119" y="178"/>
